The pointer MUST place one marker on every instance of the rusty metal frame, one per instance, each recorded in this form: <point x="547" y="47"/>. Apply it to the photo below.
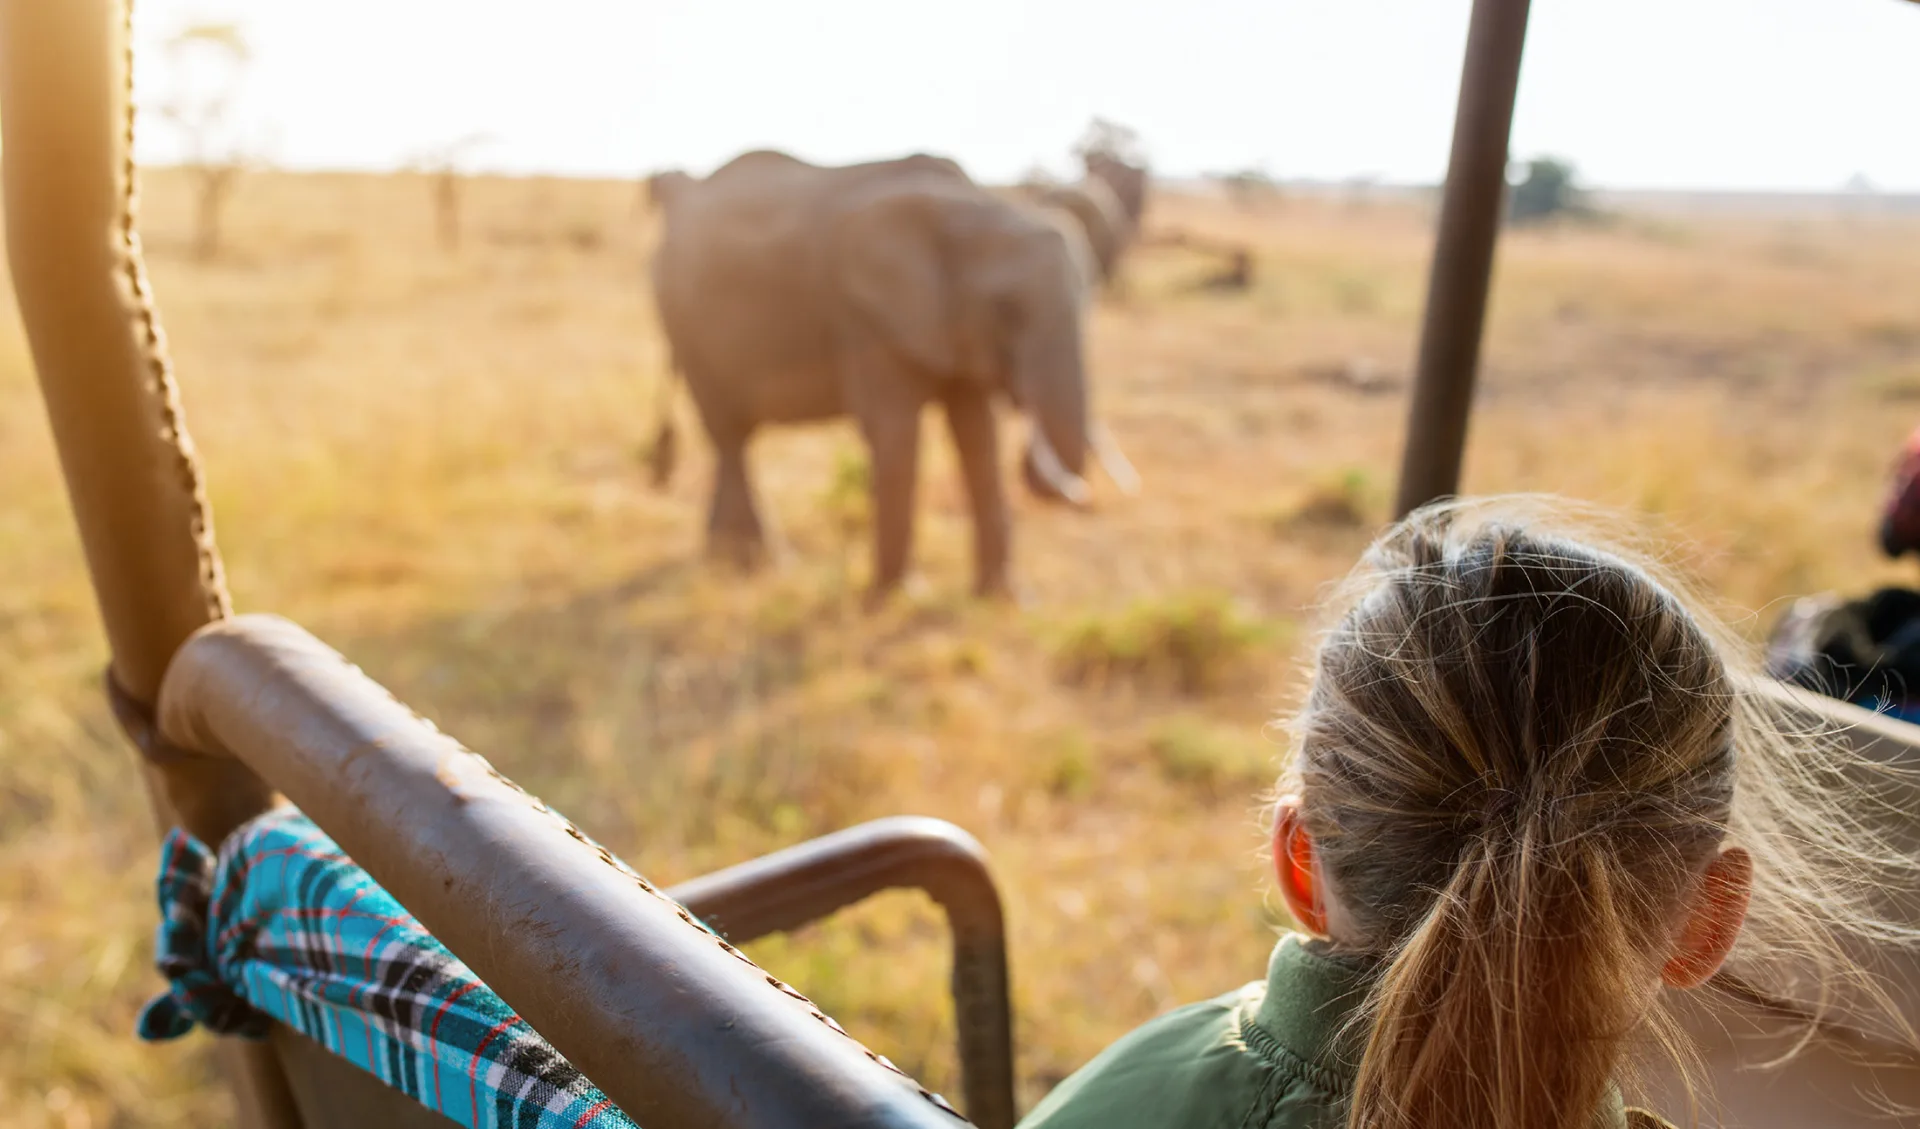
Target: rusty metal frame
<point x="787" y="889"/>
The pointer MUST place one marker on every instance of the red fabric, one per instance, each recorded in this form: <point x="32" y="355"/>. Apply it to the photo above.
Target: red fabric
<point x="1900" y="520"/>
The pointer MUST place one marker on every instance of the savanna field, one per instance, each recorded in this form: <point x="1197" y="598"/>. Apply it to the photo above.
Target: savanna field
<point x="433" y="460"/>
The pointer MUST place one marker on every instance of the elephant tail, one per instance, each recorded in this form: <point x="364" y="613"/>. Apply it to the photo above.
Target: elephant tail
<point x="664" y="451"/>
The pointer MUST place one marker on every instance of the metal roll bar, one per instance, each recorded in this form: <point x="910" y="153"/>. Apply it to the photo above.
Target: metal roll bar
<point x="787" y="889"/>
<point x="676" y="1026"/>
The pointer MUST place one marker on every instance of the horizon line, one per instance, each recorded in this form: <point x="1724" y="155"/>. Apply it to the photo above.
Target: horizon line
<point x="1361" y="181"/>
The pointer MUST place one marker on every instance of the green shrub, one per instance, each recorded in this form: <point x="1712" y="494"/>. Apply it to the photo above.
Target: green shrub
<point x="1547" y="190"/>
<point x="848" y="496"/>
<point x="1069" y="767"/>
<point x="1222" y="762"/>
<point x="1342" y="502"/>
<point x="1355" y="292"/>
<point x="970" y="658"/>
<point x="1192" y="644"/>
<point x="1892" y="382"/>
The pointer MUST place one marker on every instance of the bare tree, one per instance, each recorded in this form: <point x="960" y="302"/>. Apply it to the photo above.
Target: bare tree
<point x="445" y="166"/>
<point x="1105" y="138"/>
<point x="210" y="62"/>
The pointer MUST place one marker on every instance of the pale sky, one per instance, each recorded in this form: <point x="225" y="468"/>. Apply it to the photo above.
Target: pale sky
<point x="1770" y="94"/>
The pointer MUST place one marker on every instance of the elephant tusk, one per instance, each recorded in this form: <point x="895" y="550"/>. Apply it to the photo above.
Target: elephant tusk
<point x="1046" y="462"/>
<point x="1113" y="460"/>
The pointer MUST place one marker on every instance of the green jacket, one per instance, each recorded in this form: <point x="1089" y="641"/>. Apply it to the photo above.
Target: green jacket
<point x="1264" y="1057"/>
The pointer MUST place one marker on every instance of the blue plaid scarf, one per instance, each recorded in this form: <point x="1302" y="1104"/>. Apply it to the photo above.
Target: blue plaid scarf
<point x="281" y="925"/>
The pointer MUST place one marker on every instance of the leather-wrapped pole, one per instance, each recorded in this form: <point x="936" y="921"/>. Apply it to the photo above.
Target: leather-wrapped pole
<point x="130" y="470"/>
<point x="676" y="1026"/>
<point x="88" y="311"/>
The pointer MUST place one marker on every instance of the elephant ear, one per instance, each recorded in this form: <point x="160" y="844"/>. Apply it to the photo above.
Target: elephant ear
<point x="901" y="268"/>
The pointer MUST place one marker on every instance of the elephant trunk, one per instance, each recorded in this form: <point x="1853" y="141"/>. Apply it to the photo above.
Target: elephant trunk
<point x="1049" y="478"/>
<point x="1051" y="377"/>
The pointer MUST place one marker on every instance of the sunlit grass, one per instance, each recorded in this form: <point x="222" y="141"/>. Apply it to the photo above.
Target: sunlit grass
<point x="434" y="462"/>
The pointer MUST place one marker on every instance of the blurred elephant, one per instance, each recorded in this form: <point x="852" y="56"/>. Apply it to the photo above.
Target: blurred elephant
<point x="1128" y="181"/>
<point x="1100" y="214"/>
<point x="792" y="292"/>
<point x="664" y="188"/>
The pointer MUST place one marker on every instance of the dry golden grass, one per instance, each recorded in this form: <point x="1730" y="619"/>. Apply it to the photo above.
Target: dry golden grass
<point x="432" y="461"/>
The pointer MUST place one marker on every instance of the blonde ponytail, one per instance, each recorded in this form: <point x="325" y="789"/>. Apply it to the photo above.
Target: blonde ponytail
<point x="1516" y="758"/>
<point x="1500" y="1014"/>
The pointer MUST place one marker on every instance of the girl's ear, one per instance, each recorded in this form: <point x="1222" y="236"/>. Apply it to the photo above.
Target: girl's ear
<point x="1714" y="916"/>
<point x="1297" y="868"/>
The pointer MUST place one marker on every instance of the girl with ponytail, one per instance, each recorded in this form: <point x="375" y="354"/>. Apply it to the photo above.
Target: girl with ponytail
<point x="1531" y="792"/>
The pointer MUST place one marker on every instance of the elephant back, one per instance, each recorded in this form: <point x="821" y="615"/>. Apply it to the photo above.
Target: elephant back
<point x="1101" y="217"/>
<point x="1128" y="182"/>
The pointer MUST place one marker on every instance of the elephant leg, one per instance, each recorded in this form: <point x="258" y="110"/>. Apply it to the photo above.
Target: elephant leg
<point x="734" y="532"/>
<point x="976" y="438"/>
<point x="890" y="420"/>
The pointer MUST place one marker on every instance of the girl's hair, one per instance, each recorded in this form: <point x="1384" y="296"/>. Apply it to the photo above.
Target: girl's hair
<point x="1517" y="754"/>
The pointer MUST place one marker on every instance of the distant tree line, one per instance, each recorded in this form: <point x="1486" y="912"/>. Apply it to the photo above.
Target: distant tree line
<point x="1548" y="187"/>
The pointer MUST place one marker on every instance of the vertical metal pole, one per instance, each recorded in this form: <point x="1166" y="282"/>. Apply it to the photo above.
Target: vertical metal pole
<point x="131" y="473"/>
<point x="1469" y="228"/>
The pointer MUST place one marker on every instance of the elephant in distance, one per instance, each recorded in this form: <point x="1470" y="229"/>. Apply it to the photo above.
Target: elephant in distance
<point x="792" y="292"/>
